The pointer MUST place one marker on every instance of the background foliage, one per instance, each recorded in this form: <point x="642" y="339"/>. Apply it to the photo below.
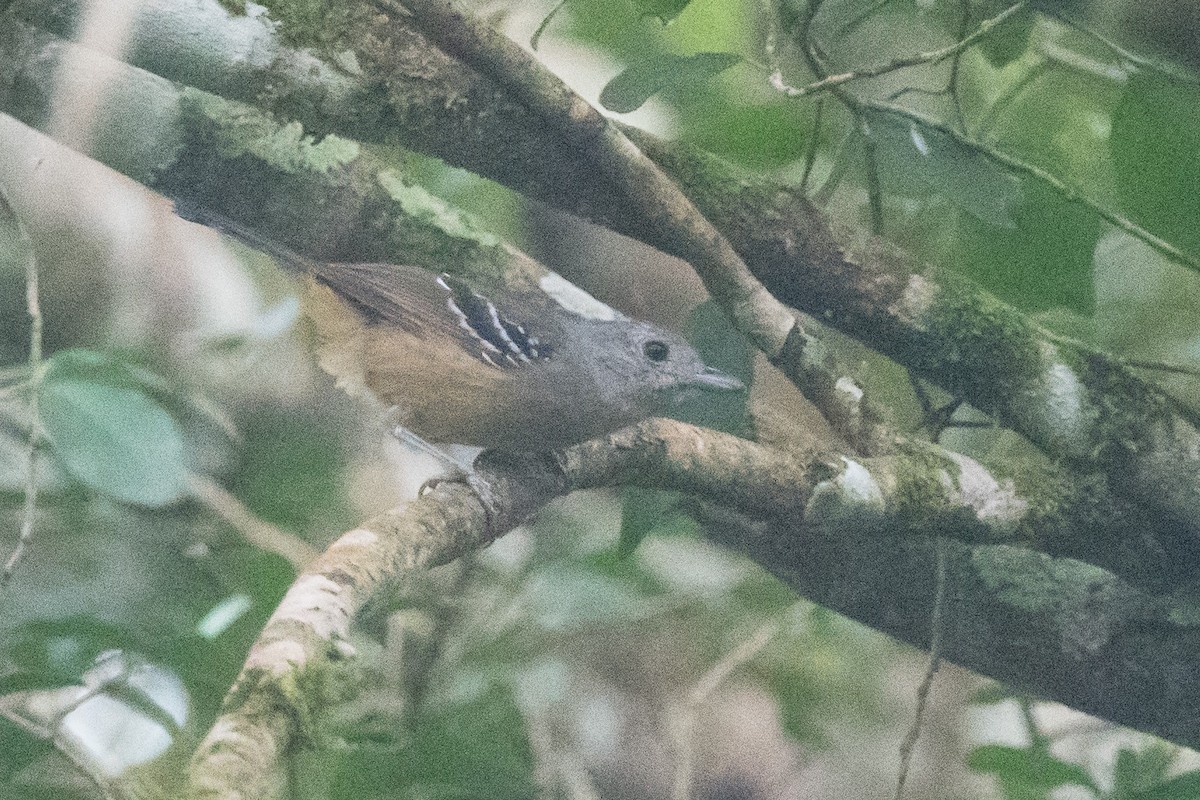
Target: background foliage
<point x="564" y="655"/>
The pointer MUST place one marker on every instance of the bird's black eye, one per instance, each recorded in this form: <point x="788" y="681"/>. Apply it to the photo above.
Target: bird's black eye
<point x="656" y="350"/>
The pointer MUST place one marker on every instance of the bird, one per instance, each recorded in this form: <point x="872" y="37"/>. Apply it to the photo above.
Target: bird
<point x="536" y="368"/>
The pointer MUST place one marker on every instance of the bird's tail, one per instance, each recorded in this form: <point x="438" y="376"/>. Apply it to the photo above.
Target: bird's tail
<point x="248" y="236"/>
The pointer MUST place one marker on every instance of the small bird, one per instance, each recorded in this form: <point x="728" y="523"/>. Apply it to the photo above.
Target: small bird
<point x="535" y="369"/>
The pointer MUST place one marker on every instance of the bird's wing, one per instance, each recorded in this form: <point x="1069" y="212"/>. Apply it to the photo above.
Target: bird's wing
<point x="431" y="306"/>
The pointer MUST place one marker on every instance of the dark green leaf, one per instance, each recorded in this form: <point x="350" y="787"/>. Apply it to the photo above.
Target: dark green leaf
<point x="642" y="510"/>
<point x="50" y="654"/>
<point x="709" y="331"/>
<point x="1181" y="787"/>
<point x="18" y="749"/>
<point x="1045" y="262"/>
<point x="758" y="136"/>
<point x="1005" y="44"/>
<point x="915" y="161"/>
<point x="639" y="82"/>
<point x="477" y="749"/>
<point x="115" y="439"/>
<point x="1137" y="772"/>
<point x="991" y="694"/>
<point x="1155" y="138"/>
<point x="291" y="476"/>
<point x="665" y="10"/>
<point x="95" y="366"/>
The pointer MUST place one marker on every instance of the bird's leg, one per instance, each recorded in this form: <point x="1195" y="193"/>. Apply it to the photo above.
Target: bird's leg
<point x="455" y="471"/>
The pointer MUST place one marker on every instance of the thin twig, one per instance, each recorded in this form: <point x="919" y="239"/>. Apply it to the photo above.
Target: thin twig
<point x="1035" y="72"/>
<point x="871" y="165"/>
<point x="951" y="87"/>
<point x="929" y="58"/>
<point x="254" y="529"/>
<point x="34" y="309"/>
<point x="935" y="661"/>
<point x="770" y="11"/>
<point x="814" y="140"/>
<point x="684" y="716"/>
<point x="812" y="55"/>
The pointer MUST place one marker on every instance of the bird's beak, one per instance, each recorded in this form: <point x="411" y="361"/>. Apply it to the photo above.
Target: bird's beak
<point x="715" y="380"/>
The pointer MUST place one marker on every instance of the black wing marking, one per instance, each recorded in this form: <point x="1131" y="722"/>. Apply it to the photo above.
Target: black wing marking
<point x="498" y="336"/>
<point x="427" y="306"/>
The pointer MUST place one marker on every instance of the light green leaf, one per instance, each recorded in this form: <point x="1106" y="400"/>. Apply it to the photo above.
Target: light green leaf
<point x="115" y="439"/>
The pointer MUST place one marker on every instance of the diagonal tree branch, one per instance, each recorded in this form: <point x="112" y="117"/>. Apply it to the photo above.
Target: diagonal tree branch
<point x="1076" y="404"/>
<point x="834" y="528"/>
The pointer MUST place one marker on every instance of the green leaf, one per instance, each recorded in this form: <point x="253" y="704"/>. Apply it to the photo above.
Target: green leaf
<point x="639" y="82"/>
<point x="97" y="367"/>
<point x="1181" y="787"/>
<point x="1006" y="43"/>
<point x="1045" y="262"/>
<point x="721" y="346"/>
<point x="1027" y="772"/>
<point x="1154" y="141"/>
<point x="915" y="161"/>
<point x="564" y="598"/>
<point x="991" y="694"/>
<point x="115" y="439"/>
<point x="642" y="510"/>
<point x="48" y="654"/>
<point x="478" y="749"/>
<point x="665" y="10"/>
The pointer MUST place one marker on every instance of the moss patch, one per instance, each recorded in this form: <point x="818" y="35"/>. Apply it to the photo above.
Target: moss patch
<point x="984" y="345"/>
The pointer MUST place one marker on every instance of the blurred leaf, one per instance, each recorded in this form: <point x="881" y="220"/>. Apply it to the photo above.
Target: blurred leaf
<point x="639" y="82"/>
<point x="991" y="694"/>
<point x="562" y="598"/>
<point x="1154" y="141"/>
<point x="915" y="161"/>
<point x="801" y="711"/>
<point x="1181" y="787"/>
<point x="50" y="654"/>
<point x="18" y="749"/>
<point x="1044" y="263"/>
<point x="1006" y="43"/>
<point x="642" y="510"/>
<point x="292" y="474"/>
<point x="1027" y="772"/>
<point x="665" y="10"/>
<point x="477" y="749"/>
<point x="115" y="439"/>
<point x="1142" y="775"/>
<point x="757" y="136"/>
<point x="710" y="332"/>
<point x="95" y="366"/>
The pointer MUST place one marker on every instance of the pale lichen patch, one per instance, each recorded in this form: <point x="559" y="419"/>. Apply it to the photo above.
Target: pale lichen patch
<point x="993" y="502"/>
<point x="851" y="500"/>
<point x="1061" y="410"/>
